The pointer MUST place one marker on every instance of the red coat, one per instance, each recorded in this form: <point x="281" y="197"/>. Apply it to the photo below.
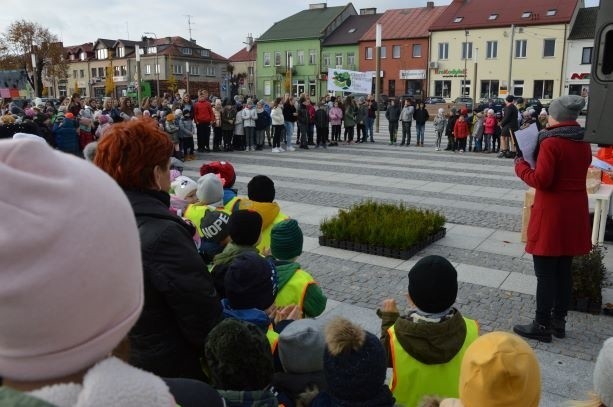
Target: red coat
<point x="203" y="112"/>
<point x="460" y="129"/>
<point x="559" y="222"/>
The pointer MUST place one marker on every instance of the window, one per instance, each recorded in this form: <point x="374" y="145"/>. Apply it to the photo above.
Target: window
<point x="416" y="50"/>
<point x="204" y="52"/>
<point x="194" y="70"/>
<point x="551" y="12"/>
<point x="94" y="70"/>
<point x="338" y="59"/>
<point x="586" y="55"/>
<point x="266" y="88"/>
<point x="312" y="57"/>
<point x="312" y="88"/>
<point x="493" y="16"/>
<point x="289" y="59"/>
<point x="120" y="70"/>
<point x="443" y="50"/>
<point x="186" y="51"/>
<point x="177" y="69"/>
<point x="489" y="89"/>
<point x="102" y="53"/>
<point x="326" y="60"/>
<point x="277" y="58"/>
<point x="267" y="59"/>
<point x="101" y="73"/>
<point x="442" y="88"/>
<point x="543" y="89"/>
<point x="549" y="47"/>
<point x="491" y="49"/>
<point x="368" y="53"/>
<point x="383" y="52"/>
<point x="121" y="52"/>
<point x="396" y="51"/>
<point x="458" y="19"/>
<point x="210" y="70"/>
<point x="526" y="14"/>
<point x="152" y="50"/>
<point x="300" y="57"/>
<point x="81" y="73"/>
<point x="467" y="50"/>
<point x="141" y="51"/>
<point x="520" y="48"/>
<point x="250" y="71"/>
<point x="83" y="56"/>
<point x="351" y="60"/>
<point x="157" y="68"/>
<point x="147" y="69"/>
<point x="71" y="57"/>
<point x="466" y="87"/>
<point x="391" y="88"/>
<point x="518" y="87"/>
<point x="74" y="73"/>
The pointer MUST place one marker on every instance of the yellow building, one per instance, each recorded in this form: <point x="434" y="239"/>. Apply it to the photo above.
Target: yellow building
<point x="485" y="49"/>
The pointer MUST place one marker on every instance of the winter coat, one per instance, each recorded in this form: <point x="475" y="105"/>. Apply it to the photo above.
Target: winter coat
<point x="277" y="116"/>
<point x="228" y="117"/>
<point x="362" y="114"/>
<point x="181" y="305"/>
<point x="304" y="118"/>
<point x="66" y="136"/>
<point x="489" y="125"/>
<point x="450" y="125"/>
<point x="249" y="116"/>
<point x="509" y="120"/>
<point x="439" y="123"/>
<point x="203" y="112"/>
<point x="288" y="112"/>
<point x="349" y="117"/>
<point x="392" y="113"/>
<point x="222" y="261"/>
<point x="263" y="120"/>
<point x="421" y="116"/>
<point x="336" y="116"/>
<point x="460" y="129"/>
<point x="186" y="128"/>
<point x="321" y="119"/>
<point x="239" y="130"/>
<point x="478" y="129"/>
<point x="314" y="299"/>
<point x="407" y="113"/>
<point x="559" y="221"/>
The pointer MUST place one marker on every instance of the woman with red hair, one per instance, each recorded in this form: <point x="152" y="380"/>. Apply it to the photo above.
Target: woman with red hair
<point x="181" y="305"/>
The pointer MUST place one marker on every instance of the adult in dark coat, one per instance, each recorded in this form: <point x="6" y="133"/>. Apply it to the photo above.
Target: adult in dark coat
<point x="181" y="304"/>
<point x="559" y="226"/>
<point x="508" y="124"/>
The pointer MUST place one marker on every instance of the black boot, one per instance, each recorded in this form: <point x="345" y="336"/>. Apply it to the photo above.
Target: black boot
<point x="558" y="328"/>
<point x="534" y="330"/>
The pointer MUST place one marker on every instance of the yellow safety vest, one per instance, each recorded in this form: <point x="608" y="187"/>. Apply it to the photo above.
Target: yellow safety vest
<point x="229" y="207"/>
<point x="195" y="213"/>
<point x="264" y="244"/>
<point x="294" y="291"/>
<point x="412" y="380"/>
<point x="273" y="338"/>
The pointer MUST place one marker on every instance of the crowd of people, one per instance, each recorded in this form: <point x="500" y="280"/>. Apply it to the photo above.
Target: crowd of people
<point x="203" y="301"/>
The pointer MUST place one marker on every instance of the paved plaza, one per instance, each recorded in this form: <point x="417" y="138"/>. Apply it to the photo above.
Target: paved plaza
<point x="481" y="198"/>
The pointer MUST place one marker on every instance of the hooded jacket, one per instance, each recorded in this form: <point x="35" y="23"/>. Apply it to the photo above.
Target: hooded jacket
<point x="314" y="298"/>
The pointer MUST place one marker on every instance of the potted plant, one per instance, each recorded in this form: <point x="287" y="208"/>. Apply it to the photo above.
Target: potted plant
<point x="589" y="278"/>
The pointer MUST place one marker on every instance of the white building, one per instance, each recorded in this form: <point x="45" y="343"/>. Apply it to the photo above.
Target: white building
<point x="579" y="50"/>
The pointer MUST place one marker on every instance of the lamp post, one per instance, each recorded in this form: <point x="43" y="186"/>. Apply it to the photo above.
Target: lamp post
<point x="291" y="66"/>
<point x="157" y="66"/>
<point x="465" y="61"/>
<point x="475" y="56"/>
<point x="378" y="73"/>
<point x="34" y="76"/>
<point x="138" y="95"/>
<point x="187" y="78"/>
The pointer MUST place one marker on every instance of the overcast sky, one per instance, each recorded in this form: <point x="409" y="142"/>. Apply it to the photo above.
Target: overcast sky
<point x="221" y="26"/>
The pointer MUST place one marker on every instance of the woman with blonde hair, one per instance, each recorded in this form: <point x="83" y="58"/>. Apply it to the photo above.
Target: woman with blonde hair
<point x="602" y="396"/>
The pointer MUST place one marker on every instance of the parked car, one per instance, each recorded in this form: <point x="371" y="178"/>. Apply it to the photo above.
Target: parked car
<point x="533" y="103"/>
<point x="466" y="101"/>
<point x="496" y="104"/>
<point x="432" y="100"/>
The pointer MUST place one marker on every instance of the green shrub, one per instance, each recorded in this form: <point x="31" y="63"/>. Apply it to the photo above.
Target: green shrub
<point x="382" y="224"/>
<point x="589" y="275"/>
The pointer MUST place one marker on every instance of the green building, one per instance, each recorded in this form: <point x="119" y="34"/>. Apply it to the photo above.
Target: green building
<point x="296" y="42"/>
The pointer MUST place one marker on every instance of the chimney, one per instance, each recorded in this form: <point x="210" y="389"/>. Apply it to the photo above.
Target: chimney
<point x="368" y="11"/>
<point x="317" y="5"/>
<point x="430" y="4"/>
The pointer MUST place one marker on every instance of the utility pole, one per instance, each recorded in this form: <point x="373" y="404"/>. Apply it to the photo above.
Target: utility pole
<point x="189" y="26"/>
<point x="465" y="61"/>
<point x="138" y="95"/>
<point x="511" y="59"/>
<point x="475" y="57"/>
<point x="378" y="73"/>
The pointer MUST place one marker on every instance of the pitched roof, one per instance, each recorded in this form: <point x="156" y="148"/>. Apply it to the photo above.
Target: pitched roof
<point x="106" y="42"/>
<point x="462" y="14"/>
<point x="405" y="23"/>
<point x="584" y="27"/>
<point x="351" y="30"/>
<point x="305" y="24"/>
<point x="243" y="55"/>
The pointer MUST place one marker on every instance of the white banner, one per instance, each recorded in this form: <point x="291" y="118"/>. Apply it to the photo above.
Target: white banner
<point x="344" y="80"/>
<point x="412" y="74"/>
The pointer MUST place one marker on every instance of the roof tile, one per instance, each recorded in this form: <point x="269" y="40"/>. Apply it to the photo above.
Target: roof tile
<point x="405" y="23"/>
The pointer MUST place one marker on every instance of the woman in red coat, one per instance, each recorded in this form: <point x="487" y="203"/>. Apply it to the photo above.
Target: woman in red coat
<point x="559" y="222"/>
<point x="461" y="132"/>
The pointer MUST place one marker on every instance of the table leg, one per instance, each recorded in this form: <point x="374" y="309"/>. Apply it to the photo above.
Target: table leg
<point x="596" y="223"/>
<point x="604" y="212"/>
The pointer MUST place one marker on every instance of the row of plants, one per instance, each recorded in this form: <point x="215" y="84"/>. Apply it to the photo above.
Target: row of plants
<point x="589" y="278"/>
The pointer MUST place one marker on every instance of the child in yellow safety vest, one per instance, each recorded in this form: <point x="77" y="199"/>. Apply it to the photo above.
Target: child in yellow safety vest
<point x="425" y="347"/>
<point x="210" y="197"/>
<point x="296" y="286"/>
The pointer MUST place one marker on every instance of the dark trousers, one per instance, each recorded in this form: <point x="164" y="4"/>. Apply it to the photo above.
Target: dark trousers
<point x="188" y="145"/>
<point x="406" y="132"/>
<point x="553" y="287"/>
<point x="322" y="135"/>
<point x="216" y="138"/>
<point x="349" y="132"/>
<point x="276" y="138"/>
<point x="336" y="132"/>
<point x="361" y="133"/>
<point x="393" y="128"/>
<point x="495" y="142"/>
<point x="203" y="131"/>
<point x="227" y="138"/>
<point x="460" y="144"/>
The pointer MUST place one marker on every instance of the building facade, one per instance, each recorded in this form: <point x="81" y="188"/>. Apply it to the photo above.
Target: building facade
<point x="244" y="70"/>
<point x="579" y="53"/>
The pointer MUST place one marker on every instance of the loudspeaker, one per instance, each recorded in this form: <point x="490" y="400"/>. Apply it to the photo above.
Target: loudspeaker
<point x="599" y="125"/>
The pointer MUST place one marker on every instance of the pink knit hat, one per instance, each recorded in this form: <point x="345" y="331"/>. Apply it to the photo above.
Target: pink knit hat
<point x="71" y="279"/>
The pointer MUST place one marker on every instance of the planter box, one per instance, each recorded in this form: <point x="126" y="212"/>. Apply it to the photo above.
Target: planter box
<point x="585" y="305"/>
<point x="404" y="254"/>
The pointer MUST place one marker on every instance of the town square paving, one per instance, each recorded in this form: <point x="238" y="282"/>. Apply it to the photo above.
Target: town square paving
<point x="481" y="199"/>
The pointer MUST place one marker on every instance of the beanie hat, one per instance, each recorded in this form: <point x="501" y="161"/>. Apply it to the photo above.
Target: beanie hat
<point x="64" y="289"/>
<point x="250" y="282"/>
<point x="286" y="240"/>
<point x="433" y="284"/>
<point x="440" y="110"/>
<point x="210" y="189"/>
<point x="183" y="186"/>
<point x="603" y="373"/>
<point x="178" y="112"/>
<point x="543" y="112"/>
<point x="500" y="369"/>
<point x="355" y="363"/>
<point x="170" y="117"/>
<point x="238" y="356"/>
<point x="261" y="189"/>
<point x="245" y="227"/>
<point x="214" y="226"/>
<point x="301" y="346"/>
<point x="490" y="111"/>
<point x="69" y="115"/>
<point x="224" y="169"/>
<point x="176" y="164"/>
<point x="566" y="108"/>
<point x="29" y="136"/>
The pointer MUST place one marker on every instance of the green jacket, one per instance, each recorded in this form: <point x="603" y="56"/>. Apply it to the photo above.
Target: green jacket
<point x="314" y="298"/>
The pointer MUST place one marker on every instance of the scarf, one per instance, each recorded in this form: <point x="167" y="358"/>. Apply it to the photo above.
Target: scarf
<point x="568" y="130"/>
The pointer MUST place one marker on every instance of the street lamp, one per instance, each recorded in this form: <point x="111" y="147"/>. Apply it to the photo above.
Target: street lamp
<point x="465" y="61"/>
<point x="157" y="66"/>
<point x="34" y="76"/>
<point x="378" y="73"/>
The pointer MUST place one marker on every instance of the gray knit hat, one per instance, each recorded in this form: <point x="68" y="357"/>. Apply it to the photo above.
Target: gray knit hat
<point x="566" y="108"/>
<point x="603" y="373"/>
<point x="301" y="346"/>
<point x="210" y="189"/>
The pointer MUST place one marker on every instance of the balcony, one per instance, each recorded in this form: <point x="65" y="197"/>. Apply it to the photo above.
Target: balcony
<point x="282" y="70"/>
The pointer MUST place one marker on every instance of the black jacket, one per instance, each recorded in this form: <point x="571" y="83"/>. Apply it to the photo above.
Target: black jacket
<point x="181" y="305"/>
<point x="421" y="115"/>
<point x="509" y="119"/>
<point x="322" y="119"/>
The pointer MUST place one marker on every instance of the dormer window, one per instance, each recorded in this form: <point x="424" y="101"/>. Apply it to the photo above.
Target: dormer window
<point x="102" y="53"/>
<point x="121" y="52"/>
<point x="458" y="19"/>
<point x="83" y="56"/>
<point x="551" y="13"/>
<point x="141" y="51"/>
<point x="71" y="57"/>
<point x="152" y="50"/>
<point x="204" y="52"/>
<point x="526" y="14"/>
<point x="186" y="51"/>
<point x="493" y="16"/>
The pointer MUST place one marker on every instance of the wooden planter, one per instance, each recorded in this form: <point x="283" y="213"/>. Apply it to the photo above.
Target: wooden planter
<point x="586" y="304"/>
<point x="403" y="254"/>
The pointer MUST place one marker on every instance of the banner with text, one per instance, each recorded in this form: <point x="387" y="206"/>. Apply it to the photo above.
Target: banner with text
<point x="349" y="81"/>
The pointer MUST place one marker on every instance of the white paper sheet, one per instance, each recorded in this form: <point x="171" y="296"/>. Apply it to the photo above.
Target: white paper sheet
<point x="527" y="140"/>
<point x="602" y="165"/>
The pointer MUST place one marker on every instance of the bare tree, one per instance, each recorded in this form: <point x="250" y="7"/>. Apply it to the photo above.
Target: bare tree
<point x="23" y="39"/>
